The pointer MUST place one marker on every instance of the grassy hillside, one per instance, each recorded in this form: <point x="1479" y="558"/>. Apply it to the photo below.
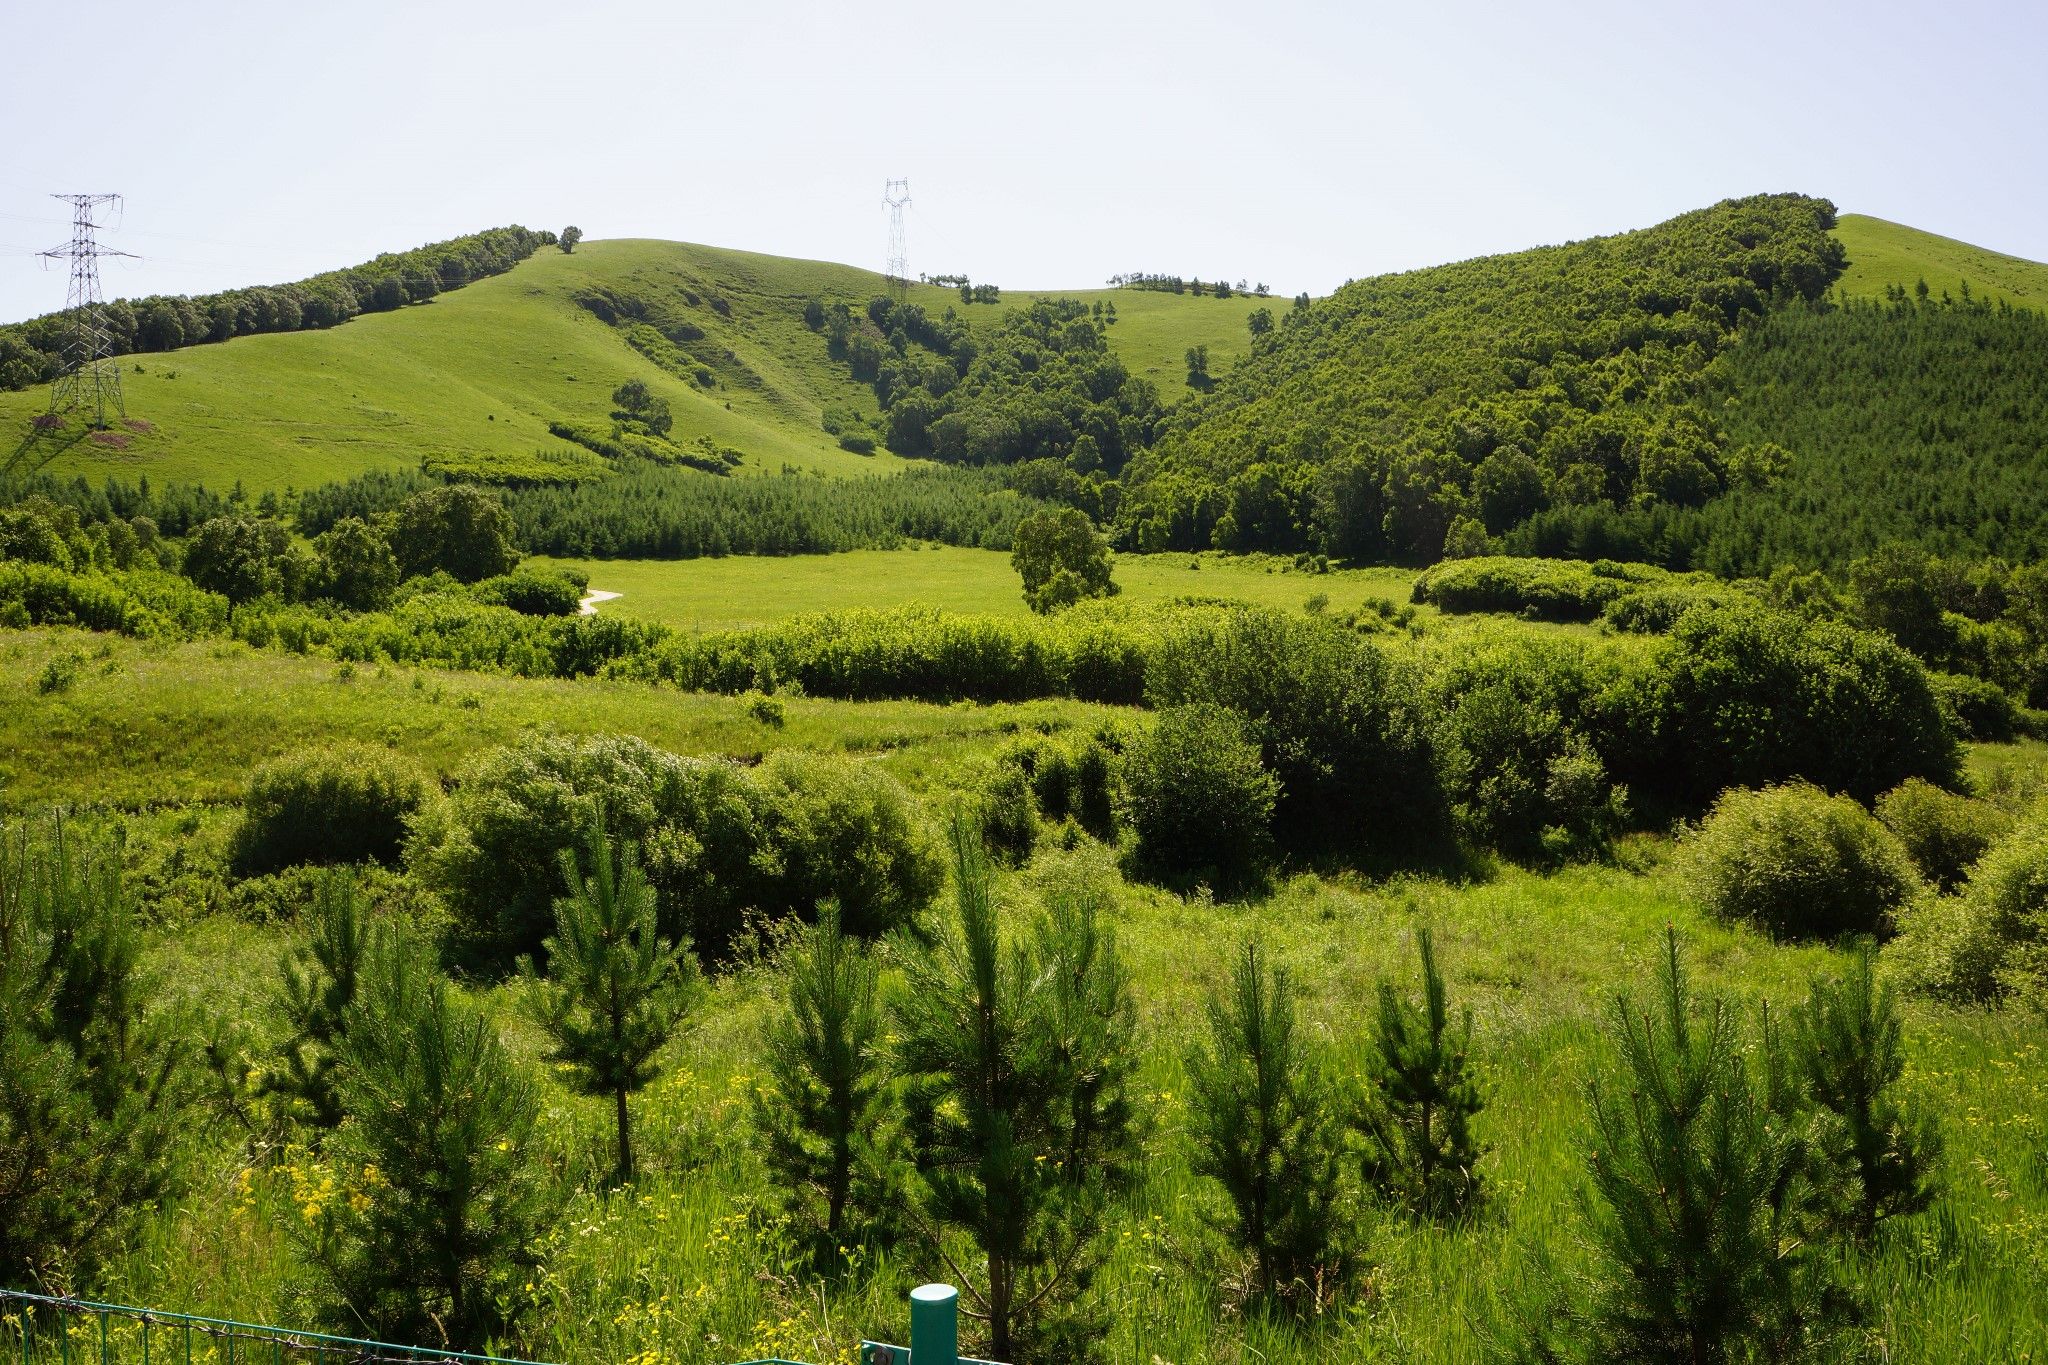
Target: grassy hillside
<point x="474" y="377"/>
<point x="1883" y="254"/>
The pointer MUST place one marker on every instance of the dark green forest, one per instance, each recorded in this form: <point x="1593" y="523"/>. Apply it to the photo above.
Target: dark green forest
<point x="1922" y="420"/>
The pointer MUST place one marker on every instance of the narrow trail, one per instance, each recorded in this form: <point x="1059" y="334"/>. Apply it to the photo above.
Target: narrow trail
<point x="588" y="606"/>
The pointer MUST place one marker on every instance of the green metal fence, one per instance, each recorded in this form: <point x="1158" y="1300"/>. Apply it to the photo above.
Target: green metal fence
<point x="41" y="1329"/>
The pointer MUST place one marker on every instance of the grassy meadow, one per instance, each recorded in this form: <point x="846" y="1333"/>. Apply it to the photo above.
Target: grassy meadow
<point x="1882" y="254"/>
<point x="748" y="590"/>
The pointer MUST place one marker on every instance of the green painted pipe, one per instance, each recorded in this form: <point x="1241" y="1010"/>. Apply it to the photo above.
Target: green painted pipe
<point x="934" y="1325"/>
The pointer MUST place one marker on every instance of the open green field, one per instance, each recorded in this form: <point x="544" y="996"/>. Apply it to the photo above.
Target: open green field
<point x="1882" y="254"/>
<point x="477" y="374"/>
<point x="746" y="590"/>
<point x="149" y="725"/>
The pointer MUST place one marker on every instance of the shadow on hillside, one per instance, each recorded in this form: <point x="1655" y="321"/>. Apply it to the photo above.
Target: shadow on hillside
<point x="38" y="448"/>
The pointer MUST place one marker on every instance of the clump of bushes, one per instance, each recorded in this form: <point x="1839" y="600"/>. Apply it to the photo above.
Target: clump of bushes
<point x="343" y="803"/>
<point x="534" y="592"/>
<point x="1335" y="718"/>
<point x="1744" y="696"/>
<point x="1945" y="833"/>
<point x="1070" y="777"/>
<point x="1990" y="941"/>
<point x="1797" y="862"/>
<point x="719" y="844"/>
<point x="1978" y="709"/>
<point x="1198" y="799"/>
<point x="1509" y="721"/>
<point x="1540" y="589"/>
<point x="841" y="832"/>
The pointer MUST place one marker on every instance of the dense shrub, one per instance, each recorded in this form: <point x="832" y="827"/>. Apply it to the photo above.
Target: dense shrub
<point x="1945" y="833"/>
<point x="142" y="603"/>
<point x="1335" y="719"/>
<point x="1542" y="589"/>
<point x="1508" y="720"/>
<point x="493" y="849"/>
<point x="1992" y="939"/>
<point x="718" y="844"/>
<point x="1198" y="799"/>
<point x="1090" y="652"/>
<point x="348" y="803"/>
<point x="1656" y="608"/>
<point x="1978" y="709"/>
<point x="532" y="592"/>
<point x="1005" y="812"/>
<point x="1070" y="777"/>
<point x="1742" y="695"/>
<point x="1797" y="862"/>
<point x="845" y="833"/>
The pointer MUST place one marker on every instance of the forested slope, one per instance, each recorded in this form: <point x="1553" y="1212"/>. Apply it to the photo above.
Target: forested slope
<point x="1402" y="409"/>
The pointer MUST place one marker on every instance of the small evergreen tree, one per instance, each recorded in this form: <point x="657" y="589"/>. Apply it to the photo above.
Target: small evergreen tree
<point x="1695" y="1184"/>
<point x="1845" y="1056"/>
<point x="1266" y="1129"/>
<point x="1017" y="1057"/>
<point x="91" y="1090"/>
<point x="616" y="989"/>
<point x="434" y="1143"/>
<point x="1417" y="1122"/>
<point x="825" y="1124"/>
<point x="317" y="990"/>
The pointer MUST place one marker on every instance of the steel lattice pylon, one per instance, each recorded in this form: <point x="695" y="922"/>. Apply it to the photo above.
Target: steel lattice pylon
<point x="91" y="378"/>
<point x="896" y="194"/>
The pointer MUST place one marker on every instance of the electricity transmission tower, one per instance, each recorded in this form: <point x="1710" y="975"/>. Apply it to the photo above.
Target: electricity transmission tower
<point x="92" y="377"/>
<point x="896" y="194"/>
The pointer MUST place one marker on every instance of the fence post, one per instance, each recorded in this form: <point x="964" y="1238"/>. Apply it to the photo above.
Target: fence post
<point x="934" y="1325"/>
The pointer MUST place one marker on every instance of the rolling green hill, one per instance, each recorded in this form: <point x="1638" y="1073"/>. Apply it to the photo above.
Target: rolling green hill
<point x="1883" y="254"/>
<point x="472" y="379"/>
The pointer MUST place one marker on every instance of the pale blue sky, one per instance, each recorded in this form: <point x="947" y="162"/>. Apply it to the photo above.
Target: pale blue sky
<point x="1047" y="144"/>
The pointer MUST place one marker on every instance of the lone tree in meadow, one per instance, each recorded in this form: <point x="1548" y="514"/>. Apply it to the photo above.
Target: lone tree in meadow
<point x="571" y="235"/>
<point x="615" y="989"/>
<point x="1061" y="559"/>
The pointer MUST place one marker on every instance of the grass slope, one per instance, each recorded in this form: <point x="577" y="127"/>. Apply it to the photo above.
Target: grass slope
<point x="1882" y="254"/>
<point x="476" y="375"/>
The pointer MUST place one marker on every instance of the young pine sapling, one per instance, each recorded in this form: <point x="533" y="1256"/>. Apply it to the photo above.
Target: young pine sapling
<point x="615" y="989"/>
<point x="1417" y="1119"/>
